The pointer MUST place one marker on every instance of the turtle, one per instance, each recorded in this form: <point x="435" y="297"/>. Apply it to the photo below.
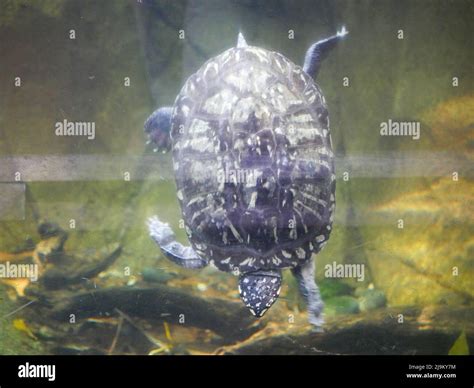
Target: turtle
<point x="254" y="170"/>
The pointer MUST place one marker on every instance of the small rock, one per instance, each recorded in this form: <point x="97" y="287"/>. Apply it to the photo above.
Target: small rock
<point x="132" y="281"/>
<point x="372" y="299"/>
<point x="201" y="287"/>
<point x="156" y="275"/>
<point x="45" y="333"/>
<point x="341" y="305"/>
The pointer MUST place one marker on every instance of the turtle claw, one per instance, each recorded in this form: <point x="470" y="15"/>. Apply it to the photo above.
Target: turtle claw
<point x="317" y="323"/>
<point x="342" y="32"/>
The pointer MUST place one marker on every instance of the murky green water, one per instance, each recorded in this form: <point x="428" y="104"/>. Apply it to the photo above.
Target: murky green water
<point x="404" y="206"/>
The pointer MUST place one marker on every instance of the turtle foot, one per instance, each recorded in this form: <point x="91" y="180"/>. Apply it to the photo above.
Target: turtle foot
<point x="179" y="254"/>
<point x="158" y="127"/>
<point x="317" y="323"/>
<point x="160" y="231"/>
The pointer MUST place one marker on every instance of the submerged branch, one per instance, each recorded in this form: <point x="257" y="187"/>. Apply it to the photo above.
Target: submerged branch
<point x="160" y="303"/>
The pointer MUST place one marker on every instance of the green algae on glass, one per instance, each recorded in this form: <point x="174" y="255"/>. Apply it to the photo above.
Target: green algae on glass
<point x="460" y="346"/>
<point x="12" y="9"/>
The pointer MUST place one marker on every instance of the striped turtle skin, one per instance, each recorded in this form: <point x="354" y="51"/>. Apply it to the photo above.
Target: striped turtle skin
<point x="253" y="161"/>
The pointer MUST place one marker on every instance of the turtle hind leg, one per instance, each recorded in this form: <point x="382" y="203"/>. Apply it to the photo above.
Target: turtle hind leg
<point x="173" y="250"/>
<point x="319" y="50"/>
<point x="310" y="291"/>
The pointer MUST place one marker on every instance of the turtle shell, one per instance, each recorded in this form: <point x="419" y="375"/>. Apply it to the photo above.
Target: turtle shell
<point x="253" y="161"/>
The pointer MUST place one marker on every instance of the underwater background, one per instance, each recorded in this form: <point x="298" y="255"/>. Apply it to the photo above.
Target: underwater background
<point x="405" y="207"/>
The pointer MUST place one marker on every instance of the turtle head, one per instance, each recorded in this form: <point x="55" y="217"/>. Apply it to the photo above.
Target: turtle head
<point x="259" y="290"/>
<point x="158" y="128"/>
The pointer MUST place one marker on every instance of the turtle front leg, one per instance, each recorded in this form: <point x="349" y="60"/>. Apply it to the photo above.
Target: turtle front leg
<point x="319" y="50"/>
<point x="173" y="250"/>
<point x="310" y="291"/>
<point x="158" y="128"/>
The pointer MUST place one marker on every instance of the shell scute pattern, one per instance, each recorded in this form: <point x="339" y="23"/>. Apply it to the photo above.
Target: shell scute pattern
<point x="252" y="163"/>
